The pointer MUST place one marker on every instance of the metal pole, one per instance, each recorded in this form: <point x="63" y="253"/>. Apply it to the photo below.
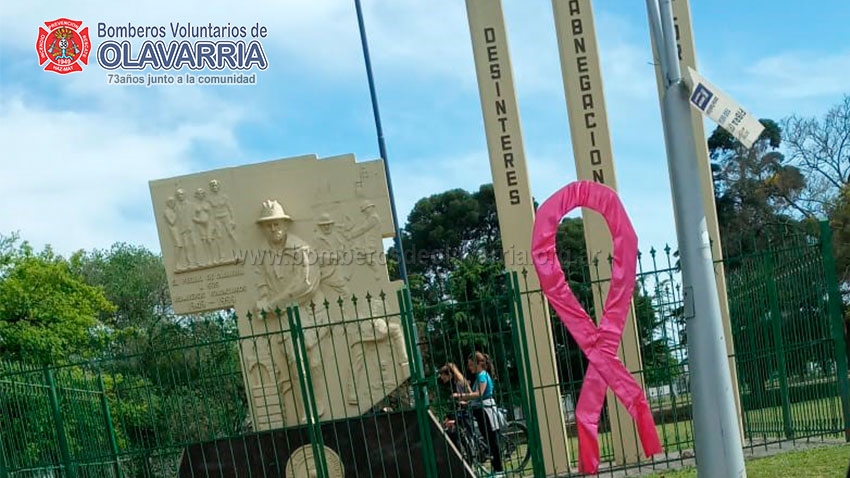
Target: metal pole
<point x="64" y="451"/>
<point x="402" y="266"/>
<point x="717" y="439"/>
<point x="110" y="428"/>
<point x="4" y="472"/>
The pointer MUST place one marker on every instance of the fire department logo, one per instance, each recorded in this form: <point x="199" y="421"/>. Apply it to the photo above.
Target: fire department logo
<point x="63" y="46"/>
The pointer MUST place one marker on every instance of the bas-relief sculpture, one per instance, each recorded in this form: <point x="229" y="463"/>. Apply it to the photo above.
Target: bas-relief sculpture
<point x="201" y="232"/>
<point x="299" y="231"/>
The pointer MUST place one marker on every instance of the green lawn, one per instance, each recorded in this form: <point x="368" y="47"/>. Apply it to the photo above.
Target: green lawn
<point x="813" y="417"/>
<point x="828" y="462"/>
<point x="810" y="418"/>
<point x="807" y="417"/>
<point x="672" y="435"/>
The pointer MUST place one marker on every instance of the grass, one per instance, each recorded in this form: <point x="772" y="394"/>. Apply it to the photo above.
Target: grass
<point x="672" y="436"/>
<point x="807" y="417"/>
<point x="828" y="462"/>
<point x="816" y="417"/>
<point x="813" y="417"/>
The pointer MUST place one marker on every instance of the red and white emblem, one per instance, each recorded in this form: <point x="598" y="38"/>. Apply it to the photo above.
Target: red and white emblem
<point x="63" y="46"/>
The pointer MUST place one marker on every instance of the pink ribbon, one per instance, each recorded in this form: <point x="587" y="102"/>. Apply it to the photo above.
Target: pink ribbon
<point x="598" y="344"/>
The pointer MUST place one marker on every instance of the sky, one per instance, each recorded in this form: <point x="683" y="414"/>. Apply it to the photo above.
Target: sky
<point x="78" y="153"/>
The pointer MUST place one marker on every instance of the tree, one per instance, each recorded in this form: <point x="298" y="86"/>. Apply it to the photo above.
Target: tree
<point x="458" y="285"/>
<point x="48" y="314"/>
<point x="659" y="365"/>
<point x="839" y="214"/>
<point x="764" y="199"/>
<point x="441" y="228"/>
<point x="487" y="230"/>
<point x="821" y="150"/>
<point x="161" y="366"/>
<point x="755" y="189"/>
<point x="134" y="279"/>
<point x="476" y="317"/>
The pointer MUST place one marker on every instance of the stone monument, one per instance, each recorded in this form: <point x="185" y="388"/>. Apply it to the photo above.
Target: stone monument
<point x="297" y="231"/>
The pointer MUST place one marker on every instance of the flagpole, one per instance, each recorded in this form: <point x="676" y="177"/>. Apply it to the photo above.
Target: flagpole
<point x="402" y="266"/>
<point x="717" y="438"/>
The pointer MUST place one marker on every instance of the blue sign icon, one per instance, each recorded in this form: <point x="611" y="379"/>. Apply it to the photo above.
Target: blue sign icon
<point x="701" y="97"/>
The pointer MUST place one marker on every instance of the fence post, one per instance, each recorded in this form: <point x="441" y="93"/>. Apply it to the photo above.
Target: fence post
<point x="4" y="472"/>
<point x="314" y="429"/>
<point x="769" y="278"/>
<point x="834" y="297"/>
<point x="526" y="385"/>
<point x="420" y="385"/>
<point x="110" y="428"/>
<point x="70" y="469"/>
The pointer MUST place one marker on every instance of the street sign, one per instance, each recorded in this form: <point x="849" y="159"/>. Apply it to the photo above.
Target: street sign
<point x="723" y="110"/>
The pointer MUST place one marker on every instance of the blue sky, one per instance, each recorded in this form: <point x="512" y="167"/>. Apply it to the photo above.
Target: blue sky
<point x="78" y="153"/>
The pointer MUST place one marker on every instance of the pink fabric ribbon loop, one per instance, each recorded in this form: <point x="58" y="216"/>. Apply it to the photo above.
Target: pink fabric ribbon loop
<point x="599" y="344"/>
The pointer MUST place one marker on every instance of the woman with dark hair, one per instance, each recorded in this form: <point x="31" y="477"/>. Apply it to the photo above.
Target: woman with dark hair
<point x="450" y="375"/>
<point x="483" y="405"/>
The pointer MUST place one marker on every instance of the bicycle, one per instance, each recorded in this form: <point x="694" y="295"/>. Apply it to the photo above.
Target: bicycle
<point x="513" y="443"/>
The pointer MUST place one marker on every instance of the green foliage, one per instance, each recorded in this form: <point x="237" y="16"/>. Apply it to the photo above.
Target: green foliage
<point x="25" y="412"/>
<point x="456" y="275"/>
<point x="133" y="279"/>
<point x="572" y="253"/>
<point x="443" y="228"/>
<point x="47" y="314"/>
<point x="659" y="364"/>
<point x="478" y="317"/>
<point x="766" y="210"/>
<point x="158" y="369"/>
<point x="755" y="188"/>
<point x="144" y="414"/>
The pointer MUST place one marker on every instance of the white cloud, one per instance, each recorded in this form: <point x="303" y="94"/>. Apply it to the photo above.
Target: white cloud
<point x="130" y="135"/>
<point x="79" y="180"/>
<point x="801" y="75"/>
<point x="409" y="40"/>
<point x="430" y="38"/>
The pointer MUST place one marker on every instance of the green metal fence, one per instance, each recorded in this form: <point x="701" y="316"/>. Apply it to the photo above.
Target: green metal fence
<point x="791" y="360"/>
<point x="56" y="421"/>
<point x="119" y="416"/>
<point x="481" y="317"/>
<point x="789" y="333"/>
<point x="662" y="344"/>
<point x="194" y="409"/>
<point x="258" y="394"/>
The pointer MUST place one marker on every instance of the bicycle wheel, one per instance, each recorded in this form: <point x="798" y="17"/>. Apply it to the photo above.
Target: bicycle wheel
<point x="513" y="444"/>
<point x="470" y="450"/>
